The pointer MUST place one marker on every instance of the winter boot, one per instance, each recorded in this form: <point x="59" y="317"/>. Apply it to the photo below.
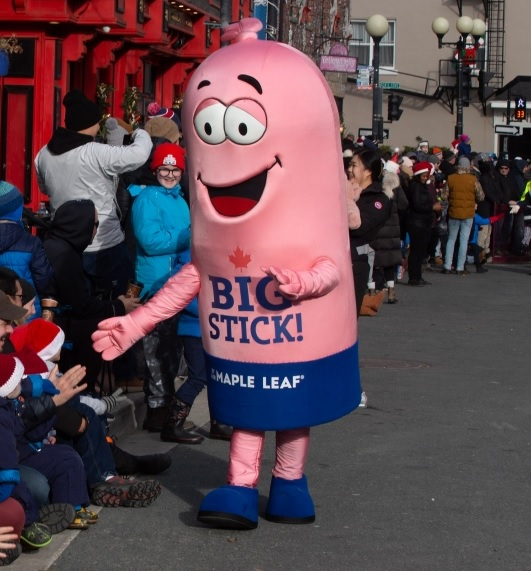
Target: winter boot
<point x="391" y="295"/>
<point x="155" y="418"/>
<point x="173" y="429"/>
<point x="220" y="431"/>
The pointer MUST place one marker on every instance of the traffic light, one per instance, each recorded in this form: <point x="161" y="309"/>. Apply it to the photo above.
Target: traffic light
<point x="393" y="107"/>
<point x="520" y="104"/>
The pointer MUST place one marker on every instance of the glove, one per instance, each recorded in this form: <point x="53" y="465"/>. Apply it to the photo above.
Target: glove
<point x="322" y="278"/>
<point x="116" y="335"/>
<point x="494" y="219"/>
<point x="514" y="209"/>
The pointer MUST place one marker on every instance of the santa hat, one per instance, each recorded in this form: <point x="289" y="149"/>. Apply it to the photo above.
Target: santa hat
<point x="33" y="364"/>
<point x="421" y="167"/>
<point x="44" y="337"/>
<point x="359" y="141"/>
<point x="391" y="166"/>
<point x="396" y="155"/>
<point x="11" y="373"/>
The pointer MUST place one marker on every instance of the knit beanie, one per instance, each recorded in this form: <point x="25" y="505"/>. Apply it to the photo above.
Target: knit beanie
<point x="463" y="163"/>
<point x="10" y="198"/>
<point x="44" y="337"/>
<point x="155" y="110"/>
<point x="434" y="159"/>
<point x="164" y="128"/>
<point x="115" y="133"/>
<point x="168" y="154"/>
<point x="447" y="154"/>
<point x="11" y="372"/>
<point x="81" y="112"/>
<point x="124" y="124"/>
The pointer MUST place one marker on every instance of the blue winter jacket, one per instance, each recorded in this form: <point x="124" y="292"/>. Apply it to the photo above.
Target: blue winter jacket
<point x="161" y="225"/>
<point x="24" y="253"/>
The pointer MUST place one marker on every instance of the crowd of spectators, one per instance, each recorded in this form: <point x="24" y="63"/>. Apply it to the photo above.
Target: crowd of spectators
<point x="57" y="454"/>
<point x="460" y="208"/>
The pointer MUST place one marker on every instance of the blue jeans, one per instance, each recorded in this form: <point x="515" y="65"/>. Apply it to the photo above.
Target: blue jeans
<point x="455" y="227"/>
<point x="36" y="483"/>
<point x="197" y="376"/>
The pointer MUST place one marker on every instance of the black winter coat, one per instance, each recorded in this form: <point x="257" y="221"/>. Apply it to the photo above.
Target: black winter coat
<point x="375" y="208"/>
<point x="420" y="213"/>
<point x="387" y="247"/>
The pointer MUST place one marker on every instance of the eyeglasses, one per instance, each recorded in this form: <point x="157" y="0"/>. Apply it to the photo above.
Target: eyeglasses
<point x="176" y="173"/>
<point x="21" y="295"/>
<point x="504" y="168"/>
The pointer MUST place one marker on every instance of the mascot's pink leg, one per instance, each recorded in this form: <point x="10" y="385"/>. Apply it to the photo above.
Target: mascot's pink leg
<point x="289" y="498"/>
<point x="235" y="506"/>
<point x="246" y="447"/>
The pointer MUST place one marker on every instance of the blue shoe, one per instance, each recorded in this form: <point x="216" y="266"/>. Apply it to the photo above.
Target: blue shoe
<point x="290" y="501"/>
<point x="230" y="507"/>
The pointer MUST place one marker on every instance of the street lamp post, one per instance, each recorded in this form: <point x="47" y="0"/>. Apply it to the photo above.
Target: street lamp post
<point x="377" y="26"/>
<point x="465" y="26"/>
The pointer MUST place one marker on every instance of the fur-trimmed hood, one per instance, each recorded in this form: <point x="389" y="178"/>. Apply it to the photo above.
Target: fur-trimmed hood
<point x="389" y="183"/>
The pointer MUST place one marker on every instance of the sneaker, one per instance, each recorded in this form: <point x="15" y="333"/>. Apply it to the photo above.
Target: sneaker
<point x="363" y="402"/>
<point x="57" y="517"/>
<point x="36" y="535"/>
<point x="10" y="554"/>
<point x="125" y="491"/>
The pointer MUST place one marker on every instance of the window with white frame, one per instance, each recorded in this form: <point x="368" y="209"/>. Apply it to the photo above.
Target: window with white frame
<point x="361" y="46"/>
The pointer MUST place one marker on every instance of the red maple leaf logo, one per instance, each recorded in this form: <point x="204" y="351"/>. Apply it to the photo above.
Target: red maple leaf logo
<point x="239" y="258"/>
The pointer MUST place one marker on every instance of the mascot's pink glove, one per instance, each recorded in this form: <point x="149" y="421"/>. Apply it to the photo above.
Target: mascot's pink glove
<point x="114" y="336"/>
<point x="322" y="278"/>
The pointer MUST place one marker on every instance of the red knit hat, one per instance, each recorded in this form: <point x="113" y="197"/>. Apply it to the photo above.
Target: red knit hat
<point x="11" y="373"/>
<point x="168" y="154"/>
<point x="423" y="166"/>
<point x="44" y="337"/>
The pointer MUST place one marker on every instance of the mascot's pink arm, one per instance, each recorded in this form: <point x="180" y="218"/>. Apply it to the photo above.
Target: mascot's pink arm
<point x="116" y="335"/>
<point x="319" y="280"/>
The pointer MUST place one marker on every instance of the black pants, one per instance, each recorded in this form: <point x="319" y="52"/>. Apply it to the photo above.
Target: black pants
<point x="360" y="270"/>
<point x="419" y="238"/>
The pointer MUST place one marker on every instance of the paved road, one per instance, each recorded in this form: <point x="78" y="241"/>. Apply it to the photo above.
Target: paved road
<point x="434" y="474"/>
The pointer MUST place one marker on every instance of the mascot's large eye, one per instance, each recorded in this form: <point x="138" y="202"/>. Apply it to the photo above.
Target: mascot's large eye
<point x="208" y="121"/>
<point x="245" y="122"/>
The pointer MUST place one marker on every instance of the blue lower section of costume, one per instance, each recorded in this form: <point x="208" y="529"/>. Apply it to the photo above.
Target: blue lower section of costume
<point x="282" y="396"/>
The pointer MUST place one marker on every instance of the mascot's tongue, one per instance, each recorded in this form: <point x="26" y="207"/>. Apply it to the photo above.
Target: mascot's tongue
<point x="233" y="205"/>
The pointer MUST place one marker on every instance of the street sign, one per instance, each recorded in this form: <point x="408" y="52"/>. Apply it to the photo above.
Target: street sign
<point x="368" y="132"/>
<point x="511" y="130"/>
<point x="385" y="85"/>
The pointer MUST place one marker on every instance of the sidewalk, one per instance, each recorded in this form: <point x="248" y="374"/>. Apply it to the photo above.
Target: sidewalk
<point x="434" y="474"/>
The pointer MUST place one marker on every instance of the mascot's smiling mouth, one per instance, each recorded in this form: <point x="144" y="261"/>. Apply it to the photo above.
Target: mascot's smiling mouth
<point x="238" y="199"/>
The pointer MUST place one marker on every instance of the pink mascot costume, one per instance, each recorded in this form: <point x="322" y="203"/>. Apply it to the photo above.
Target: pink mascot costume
<point x="271" y="265"/>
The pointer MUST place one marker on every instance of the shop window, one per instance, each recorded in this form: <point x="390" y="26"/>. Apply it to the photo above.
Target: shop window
<point x="23" y="65"/>
<point x="362" y="46"/>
